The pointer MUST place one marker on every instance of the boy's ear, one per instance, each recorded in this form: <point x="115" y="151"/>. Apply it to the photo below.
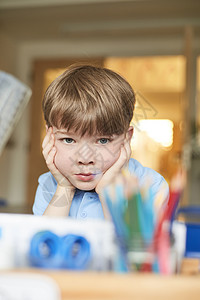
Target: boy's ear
<point x="129" y="133"/>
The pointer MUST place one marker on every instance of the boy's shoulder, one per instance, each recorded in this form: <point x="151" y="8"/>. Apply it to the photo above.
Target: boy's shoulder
<point x="158" y="184"/>
<point x="46" y="179"/>
<point x="141" y="172"/>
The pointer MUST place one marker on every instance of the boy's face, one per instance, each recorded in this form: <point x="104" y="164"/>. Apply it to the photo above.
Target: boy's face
<point x="84" y="160"/>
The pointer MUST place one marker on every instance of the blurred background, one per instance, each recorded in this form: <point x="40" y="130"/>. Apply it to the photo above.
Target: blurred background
<point x="155" y="45"/>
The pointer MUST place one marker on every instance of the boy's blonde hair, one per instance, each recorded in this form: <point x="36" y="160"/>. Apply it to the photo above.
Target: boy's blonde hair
<point x="89" y="100"/>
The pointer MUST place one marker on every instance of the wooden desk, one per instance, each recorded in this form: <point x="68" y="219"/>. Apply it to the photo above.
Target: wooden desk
<point x="96" y="286"/>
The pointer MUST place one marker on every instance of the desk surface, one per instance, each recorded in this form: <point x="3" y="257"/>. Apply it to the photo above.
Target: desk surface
<point x="96" y="286"/>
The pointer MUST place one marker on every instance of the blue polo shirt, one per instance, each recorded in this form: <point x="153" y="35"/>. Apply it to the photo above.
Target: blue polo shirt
<point x="86" y="204"/>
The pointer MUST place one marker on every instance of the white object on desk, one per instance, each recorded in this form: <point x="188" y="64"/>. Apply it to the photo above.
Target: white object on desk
<point x="27" y="286"/>
<point x="19" y="229"/>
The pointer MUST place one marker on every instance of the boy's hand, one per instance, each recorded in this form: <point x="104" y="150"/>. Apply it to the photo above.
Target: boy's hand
<point x="49" y="152"/>
<point x="122" y="162"/>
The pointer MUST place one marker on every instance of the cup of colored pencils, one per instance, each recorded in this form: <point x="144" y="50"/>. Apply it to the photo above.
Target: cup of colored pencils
<point x="142" y="230"/>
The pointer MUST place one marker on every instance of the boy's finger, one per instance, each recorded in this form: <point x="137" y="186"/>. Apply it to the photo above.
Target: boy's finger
<point x="50" y="159"/>
<point x="118" y="165"/>
<point x="48" y="148"/>
<point x="47" y="138"/>
<point x="127" y="148"/>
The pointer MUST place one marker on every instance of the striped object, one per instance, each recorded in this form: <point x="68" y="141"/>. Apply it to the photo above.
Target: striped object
<point x="14" y="95"/>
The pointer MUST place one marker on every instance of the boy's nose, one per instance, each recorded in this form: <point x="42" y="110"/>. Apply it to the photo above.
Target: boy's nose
<point x="86" y="155"/>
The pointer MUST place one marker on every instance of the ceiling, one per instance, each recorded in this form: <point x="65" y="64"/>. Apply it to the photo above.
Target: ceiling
<point x="44" y="20"/>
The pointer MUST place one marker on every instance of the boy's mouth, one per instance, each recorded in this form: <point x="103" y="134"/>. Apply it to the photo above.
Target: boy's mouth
<point x="85" y="176"/>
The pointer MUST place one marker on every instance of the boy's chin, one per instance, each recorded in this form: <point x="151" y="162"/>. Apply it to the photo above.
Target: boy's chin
<point x="86" y="186"/>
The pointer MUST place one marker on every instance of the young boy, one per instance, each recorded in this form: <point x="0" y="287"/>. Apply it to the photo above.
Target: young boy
<point x="88" y="111"/>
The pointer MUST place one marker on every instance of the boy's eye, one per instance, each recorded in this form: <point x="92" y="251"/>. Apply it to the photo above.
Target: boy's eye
<point x="68" y="140"/>
<point x="104" y="141"/>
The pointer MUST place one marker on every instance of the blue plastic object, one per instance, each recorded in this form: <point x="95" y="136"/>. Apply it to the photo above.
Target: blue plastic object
<point x="48" y="250"/>
<point x="75" y="251"/>
<point x="45" y="250"/>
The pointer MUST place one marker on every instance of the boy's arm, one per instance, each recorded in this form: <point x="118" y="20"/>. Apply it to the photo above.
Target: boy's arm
<point x="61" y="202"/>
<point x="62" y="199"/>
